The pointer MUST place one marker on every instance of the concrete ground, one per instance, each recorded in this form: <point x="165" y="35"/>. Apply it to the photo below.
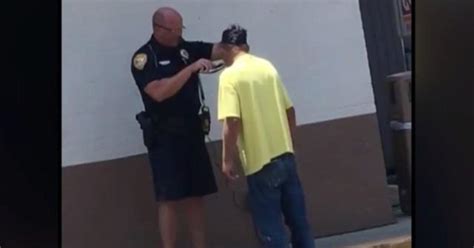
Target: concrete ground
<point x="397" y="235"/>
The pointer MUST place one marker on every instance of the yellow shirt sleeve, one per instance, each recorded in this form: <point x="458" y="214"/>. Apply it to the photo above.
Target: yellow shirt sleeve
<point x="228" y="104"/>
<point x="287" y="101"/>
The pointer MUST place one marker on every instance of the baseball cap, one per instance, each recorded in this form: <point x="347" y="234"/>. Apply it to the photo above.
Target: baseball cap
<point x="234" y="35"/>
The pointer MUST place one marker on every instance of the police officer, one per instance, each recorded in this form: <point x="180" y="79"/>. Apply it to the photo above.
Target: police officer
<point x="166" y="71"/>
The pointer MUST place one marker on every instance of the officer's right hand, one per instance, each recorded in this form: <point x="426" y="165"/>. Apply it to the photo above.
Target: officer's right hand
<point x="202" y="65"/>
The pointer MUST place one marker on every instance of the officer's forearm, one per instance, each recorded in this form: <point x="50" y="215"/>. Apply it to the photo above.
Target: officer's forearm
<point x="217" y="52"/>
<point x="165" y="88"/>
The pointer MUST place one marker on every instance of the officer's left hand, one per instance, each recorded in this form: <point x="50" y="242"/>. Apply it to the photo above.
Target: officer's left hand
<point x="202" y="65"/>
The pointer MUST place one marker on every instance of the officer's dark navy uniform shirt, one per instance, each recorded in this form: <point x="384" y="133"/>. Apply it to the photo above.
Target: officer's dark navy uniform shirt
<point x="163" y="62"/>
<point x="180" y="164"/>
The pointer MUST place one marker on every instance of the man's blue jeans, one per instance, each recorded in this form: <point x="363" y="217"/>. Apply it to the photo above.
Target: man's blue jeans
<point x="273" y="191"/>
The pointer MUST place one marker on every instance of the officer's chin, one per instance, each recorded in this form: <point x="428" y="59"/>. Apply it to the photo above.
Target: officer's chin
<point x="178" y="40"/>
<point x="174" y="43"/>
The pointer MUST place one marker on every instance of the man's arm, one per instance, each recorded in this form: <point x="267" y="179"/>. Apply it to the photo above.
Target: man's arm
<point x="230" y="133"/>
<point x="291" y="115"/>
<point x="160" y="90"/>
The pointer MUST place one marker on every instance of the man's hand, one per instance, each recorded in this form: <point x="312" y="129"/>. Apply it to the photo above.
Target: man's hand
<point x="228" y="169"/>
<point x="202" y="65"/>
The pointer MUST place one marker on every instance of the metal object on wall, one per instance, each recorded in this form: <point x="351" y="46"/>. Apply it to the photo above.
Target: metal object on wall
<point x="400" y="94"/>
<point x="403" y="8"/>
<point x="403" y="18"/>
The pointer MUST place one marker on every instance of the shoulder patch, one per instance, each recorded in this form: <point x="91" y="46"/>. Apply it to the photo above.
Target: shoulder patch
<point x="139" y="61"/>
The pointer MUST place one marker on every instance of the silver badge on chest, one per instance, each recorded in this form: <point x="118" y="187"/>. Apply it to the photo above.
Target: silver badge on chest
<point x="184" y="55"/>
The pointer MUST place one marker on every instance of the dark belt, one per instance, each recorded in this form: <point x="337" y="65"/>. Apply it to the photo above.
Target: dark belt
<point x="282" y="156"/>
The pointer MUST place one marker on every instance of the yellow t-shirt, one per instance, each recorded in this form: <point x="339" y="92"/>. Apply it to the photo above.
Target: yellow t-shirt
<point x="251" y="90"/>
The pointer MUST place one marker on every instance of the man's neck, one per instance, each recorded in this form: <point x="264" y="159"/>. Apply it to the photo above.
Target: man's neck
<point x="239" y="54"/>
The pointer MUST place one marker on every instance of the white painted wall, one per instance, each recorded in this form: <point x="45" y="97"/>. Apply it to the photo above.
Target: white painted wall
<point x="318" y="46"/>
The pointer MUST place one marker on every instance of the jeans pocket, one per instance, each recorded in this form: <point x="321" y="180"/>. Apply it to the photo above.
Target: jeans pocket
<point x="275" y="175"/>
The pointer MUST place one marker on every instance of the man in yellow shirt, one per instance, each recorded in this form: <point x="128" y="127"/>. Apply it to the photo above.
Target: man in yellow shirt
<point x="259" y="123"/>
